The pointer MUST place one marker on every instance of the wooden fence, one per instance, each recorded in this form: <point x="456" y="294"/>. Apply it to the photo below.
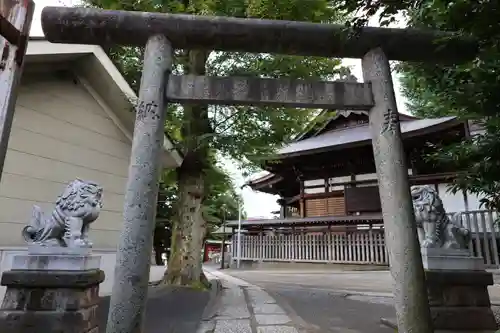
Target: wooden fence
<point x="366" y="247"/>
<point x="362" y="246"/>
<point x="485" y="235"/>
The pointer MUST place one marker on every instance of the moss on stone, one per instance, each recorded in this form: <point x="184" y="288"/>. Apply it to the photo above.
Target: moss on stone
<point x="199" y="285"/>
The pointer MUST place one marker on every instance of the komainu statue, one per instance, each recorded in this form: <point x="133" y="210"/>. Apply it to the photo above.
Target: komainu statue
<point x="68" y="225"/>
<point x="435" y="228"/>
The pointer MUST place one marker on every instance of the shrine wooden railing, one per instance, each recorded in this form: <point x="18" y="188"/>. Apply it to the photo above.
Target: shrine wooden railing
<point x="485" y="235"/>
<point x="363" y="245"/>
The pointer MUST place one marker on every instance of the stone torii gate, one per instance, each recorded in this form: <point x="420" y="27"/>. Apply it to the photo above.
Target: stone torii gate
<point x="163" y="32"/>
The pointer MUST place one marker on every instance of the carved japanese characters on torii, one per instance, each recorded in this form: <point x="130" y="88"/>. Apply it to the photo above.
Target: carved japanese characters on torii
<point x="162" y="33"/>
<point x="435" y="228"/>
<point x="68" y="225"/>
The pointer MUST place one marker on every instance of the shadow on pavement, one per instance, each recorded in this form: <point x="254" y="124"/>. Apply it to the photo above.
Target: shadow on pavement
<point x="168" y="310"/>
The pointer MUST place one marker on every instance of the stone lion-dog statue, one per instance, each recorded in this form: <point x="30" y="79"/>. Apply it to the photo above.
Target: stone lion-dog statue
<point x="68" y="226"/>
<point x="435" y="228"/>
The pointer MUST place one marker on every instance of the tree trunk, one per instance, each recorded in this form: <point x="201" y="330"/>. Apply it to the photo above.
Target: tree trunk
<point x="185" y="263"/>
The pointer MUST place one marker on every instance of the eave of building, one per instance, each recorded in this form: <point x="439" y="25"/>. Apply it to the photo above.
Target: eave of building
<point x="360" y="135"/>
<point x="345" y="139"/>
<point x="224" y="231"/>
<point x="316" y="127"/>
<point x="414" y="180"/>
<point x="266" y="181"/>
<point x="102" y="80"/>
<point x="308" y="221"/>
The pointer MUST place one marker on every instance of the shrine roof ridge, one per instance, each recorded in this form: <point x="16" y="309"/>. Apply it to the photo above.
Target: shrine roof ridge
<point x="342" y="138"/>
<point x="104" y="27"/>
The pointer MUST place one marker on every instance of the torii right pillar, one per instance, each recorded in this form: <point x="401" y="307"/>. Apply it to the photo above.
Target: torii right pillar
<point x="411" y="294"/>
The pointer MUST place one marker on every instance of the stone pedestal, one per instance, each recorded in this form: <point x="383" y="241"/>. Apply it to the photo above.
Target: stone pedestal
<point x="51" y="293"/>
<point x="56" y="262"/>
<point x="450" y="259"/>
<point x="457" y="286"/>
<point x="459" y="300"/>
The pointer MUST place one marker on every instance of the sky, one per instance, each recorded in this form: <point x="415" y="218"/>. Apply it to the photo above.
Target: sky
<point x="256" y="204"/>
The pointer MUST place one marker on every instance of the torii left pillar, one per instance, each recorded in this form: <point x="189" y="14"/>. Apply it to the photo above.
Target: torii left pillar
<point x="130" y="288"/>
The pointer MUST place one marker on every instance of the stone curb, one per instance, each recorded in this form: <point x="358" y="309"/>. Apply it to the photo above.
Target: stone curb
<point x="391" y="323"/>
<point x="215" y="290"/>
<point x="248" y="308"/>
<point x="207" y="323"/>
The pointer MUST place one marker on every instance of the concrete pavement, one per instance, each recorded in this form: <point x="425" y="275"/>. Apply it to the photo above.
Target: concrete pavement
<point x="337" y="301"/>
<point x="362" y="283"/>
<point x="315" y="309"/>
<point x="245" y="308"/>
<point x="325" y="311"/>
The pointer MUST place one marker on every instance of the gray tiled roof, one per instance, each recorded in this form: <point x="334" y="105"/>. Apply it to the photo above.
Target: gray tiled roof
<point x="357" y="134"/>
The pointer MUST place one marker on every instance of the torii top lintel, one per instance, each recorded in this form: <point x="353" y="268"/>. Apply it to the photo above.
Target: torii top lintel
<point x="104" y="27"/>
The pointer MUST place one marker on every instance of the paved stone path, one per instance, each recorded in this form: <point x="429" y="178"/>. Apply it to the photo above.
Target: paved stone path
<point x="245" y="308"/>
<point x="315" y="308"/>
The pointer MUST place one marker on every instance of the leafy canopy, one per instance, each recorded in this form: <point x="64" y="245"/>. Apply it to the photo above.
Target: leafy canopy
<point x="242" y="133"/>
<point x="468" y="90"/>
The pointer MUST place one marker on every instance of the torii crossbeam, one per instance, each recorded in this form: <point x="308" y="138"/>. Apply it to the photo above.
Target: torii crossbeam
<point x="162" y="32"/>
<point x="94" y="26"/>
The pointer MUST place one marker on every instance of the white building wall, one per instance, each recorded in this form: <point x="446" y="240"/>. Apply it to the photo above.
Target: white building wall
<point x="316" y="182"/>
<point x="456" y="202"/>
<point x="343" y="179"/>
<point x="473" y="201"/>
<point x="451" y="202"/>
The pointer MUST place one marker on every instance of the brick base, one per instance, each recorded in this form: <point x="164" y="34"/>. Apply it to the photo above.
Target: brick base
<point x="50" y="301"/>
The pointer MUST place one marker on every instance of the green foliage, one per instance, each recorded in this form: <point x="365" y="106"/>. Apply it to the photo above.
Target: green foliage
<point x="386" y="9"/>
<point x="469" y="91"/>
<point x="243" y="133"/>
